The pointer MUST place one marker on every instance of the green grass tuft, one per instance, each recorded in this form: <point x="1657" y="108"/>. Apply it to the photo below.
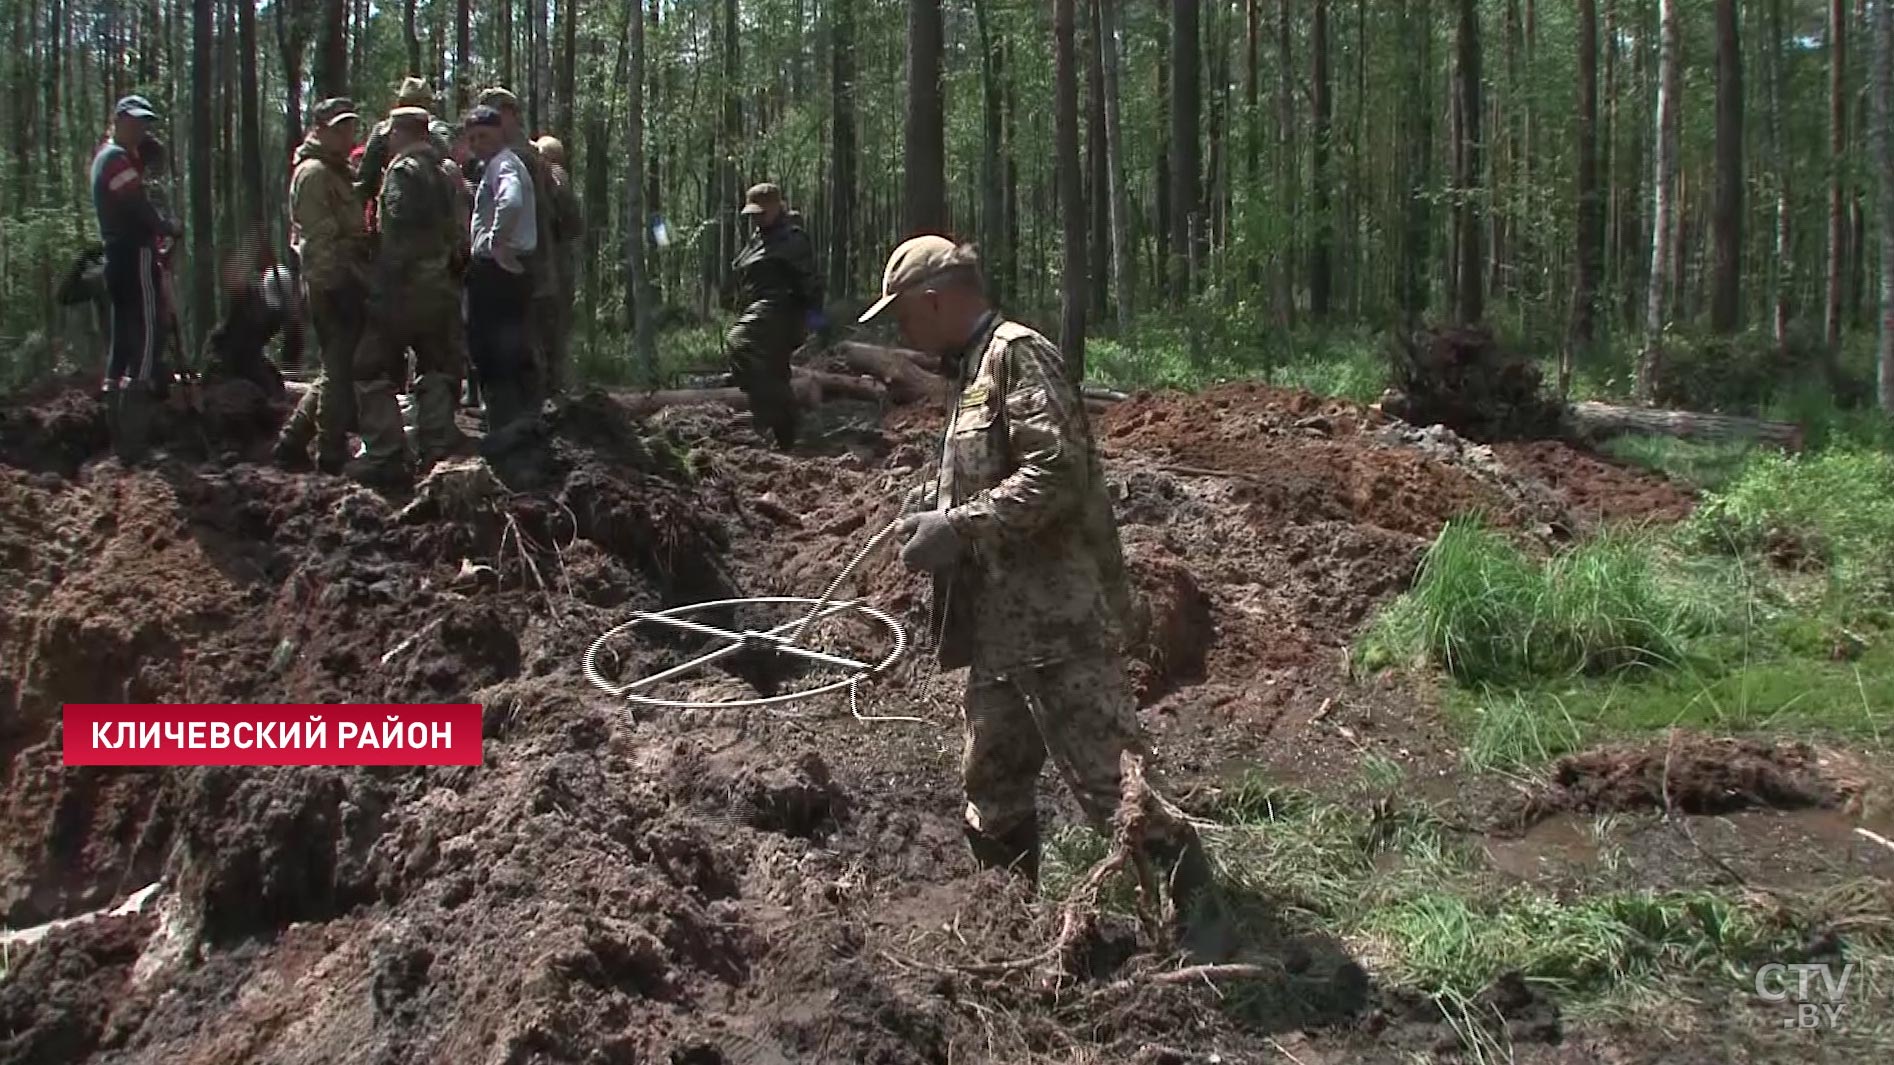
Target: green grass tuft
<point x="1420" y="904"/>
<point x="1487" y="613"/>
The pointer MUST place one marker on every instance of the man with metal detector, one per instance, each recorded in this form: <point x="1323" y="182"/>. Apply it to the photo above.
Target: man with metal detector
<point x="1029" y="580"/>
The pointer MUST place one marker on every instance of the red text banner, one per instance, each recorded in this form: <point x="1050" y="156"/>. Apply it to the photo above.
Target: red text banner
<point x="272" y="734"/>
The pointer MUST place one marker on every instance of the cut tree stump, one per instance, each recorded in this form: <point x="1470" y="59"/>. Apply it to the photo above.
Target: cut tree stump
<point x="1605" y="419"/>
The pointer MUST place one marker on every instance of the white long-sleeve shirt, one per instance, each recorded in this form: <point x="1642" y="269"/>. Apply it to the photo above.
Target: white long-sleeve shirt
<point x="504" y="227"/>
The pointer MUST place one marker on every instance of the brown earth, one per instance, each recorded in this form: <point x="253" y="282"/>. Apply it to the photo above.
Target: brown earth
<point x="668" y="886"/>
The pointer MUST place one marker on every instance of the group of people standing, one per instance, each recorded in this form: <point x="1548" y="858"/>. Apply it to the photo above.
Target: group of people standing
<point x="454" y="245"/>
<point x="410" y="252"/>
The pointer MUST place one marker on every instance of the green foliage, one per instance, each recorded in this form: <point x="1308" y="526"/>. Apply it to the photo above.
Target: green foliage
<point x="1702" y="465"/>
<point x="1487" y="613"/>
<point x="1216" y="343"/>
<point x="1834" y="508"/>
<point x="1421" y="903"/>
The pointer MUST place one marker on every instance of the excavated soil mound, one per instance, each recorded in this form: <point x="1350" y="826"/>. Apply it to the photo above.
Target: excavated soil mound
<point x="1697" y="775"/>
<point x="1598" y="489"/>
<point x="617" y="886"/>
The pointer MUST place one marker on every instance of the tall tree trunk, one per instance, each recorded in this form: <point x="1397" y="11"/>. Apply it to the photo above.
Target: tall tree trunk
<point x="1417" y="23"/>
<point x="1470" y="298"/>
<point x="1508" y="132"/>
<point x="1784" y="281"/>
<point x="1837" y="164"/>
<point x="411" y="36"/>
<point x="203" y="292"/>
<point x="842" y="188"/>
<point x="22" y="75"/>
<point x="730" y="177"/>
<point x="1322" y="93"/>
<point x="1252" y="139"/>
<point x="1123" y="255"/>
<point x="1882" y="93"/>
<point x="463" y="56"/>
<point x="925" y="162"/>
<point x="540" y="50"/>
<point x="56" y="47"/>
<point x="1186" y="160"/>
<point x="1287" y="166"/>
<point x="638" y="298"/>
<point x="1071" y="194"/>
<point x="504" y="27"/>
<point x="1663" y="197"/>
<point x="1161" y="259"/>
<point x="290" y="42"/>
<point x="1009" y="266"/>
<point x="1727" y="211"/>
<point x="224" y="188"/>
<point x="332" y="51"/>
<point x="1097" y="184"/>
<point x="249" y="105"/>
<point x="568" y="66"/>
<point x="992" y="192"/>
<point x="1590" y="221"/>
<point x="358" y="38"/>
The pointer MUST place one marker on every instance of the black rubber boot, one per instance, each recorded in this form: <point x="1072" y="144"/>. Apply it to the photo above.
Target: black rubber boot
<point x="1017" y="851"/>
<point x="1204" y="929"/>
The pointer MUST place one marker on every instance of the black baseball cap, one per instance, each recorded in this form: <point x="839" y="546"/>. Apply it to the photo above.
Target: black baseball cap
<point x="136" y="107"/>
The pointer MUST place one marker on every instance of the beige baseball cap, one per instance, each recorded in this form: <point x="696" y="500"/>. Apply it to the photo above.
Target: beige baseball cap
<point x="917" y="261"/>
<point x="761" y="197"/>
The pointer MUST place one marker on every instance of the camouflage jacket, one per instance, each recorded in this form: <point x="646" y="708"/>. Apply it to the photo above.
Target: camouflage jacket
<point x="543" y="265"/>
<point x="568" y="226"/>
<point x="375" y="154"/>
<point x="1043" y="575"/>
<point x="325" y="218"/>
<point x="420" y="233"/>
<point x="777" y="268"/>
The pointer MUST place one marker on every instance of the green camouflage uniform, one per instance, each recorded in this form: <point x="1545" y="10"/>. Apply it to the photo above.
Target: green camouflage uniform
<point x="415" y="298"/>
<point x="1037" y="603"/>
<point x="542" y="264"/>
<point x="777" y="288"/>
<point x="568" y="228"/>
<point x="332" y="244"/>
<point x="368" y="175"/>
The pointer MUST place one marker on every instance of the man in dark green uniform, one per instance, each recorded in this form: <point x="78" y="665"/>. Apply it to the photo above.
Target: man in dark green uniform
<point x="413" y="298"/>
<point x="780" y="296"/>
<point x="413" y="92"/>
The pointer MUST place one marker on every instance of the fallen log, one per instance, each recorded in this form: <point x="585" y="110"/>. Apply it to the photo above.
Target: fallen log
<point x="907" y="374"/>
<point x="845" y="386"/>
<point x="1605" y="419"/>
<point x="912" y="376"/>
<point x="807" y="390"/>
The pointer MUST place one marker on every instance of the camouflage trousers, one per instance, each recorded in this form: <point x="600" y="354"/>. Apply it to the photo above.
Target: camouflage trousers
<point x="424" y="323"/>
<point x="327" y="411"/>
<point x="1080" y="710"/>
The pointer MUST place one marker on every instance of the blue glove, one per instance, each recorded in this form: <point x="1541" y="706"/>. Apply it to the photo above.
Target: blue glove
<point x="815" y="321"/>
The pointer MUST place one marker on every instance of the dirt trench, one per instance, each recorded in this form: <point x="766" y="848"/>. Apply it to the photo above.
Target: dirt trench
<point x="612" y="886"/>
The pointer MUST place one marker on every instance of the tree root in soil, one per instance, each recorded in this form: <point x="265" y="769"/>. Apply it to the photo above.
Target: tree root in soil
<point x="1079" y="913"/>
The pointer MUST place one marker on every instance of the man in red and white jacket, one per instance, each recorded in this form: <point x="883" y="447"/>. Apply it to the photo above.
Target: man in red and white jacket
<point x="130" y="228"/>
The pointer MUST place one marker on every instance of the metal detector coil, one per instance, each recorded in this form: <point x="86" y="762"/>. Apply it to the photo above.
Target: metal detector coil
<point x="783" y="639"/>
